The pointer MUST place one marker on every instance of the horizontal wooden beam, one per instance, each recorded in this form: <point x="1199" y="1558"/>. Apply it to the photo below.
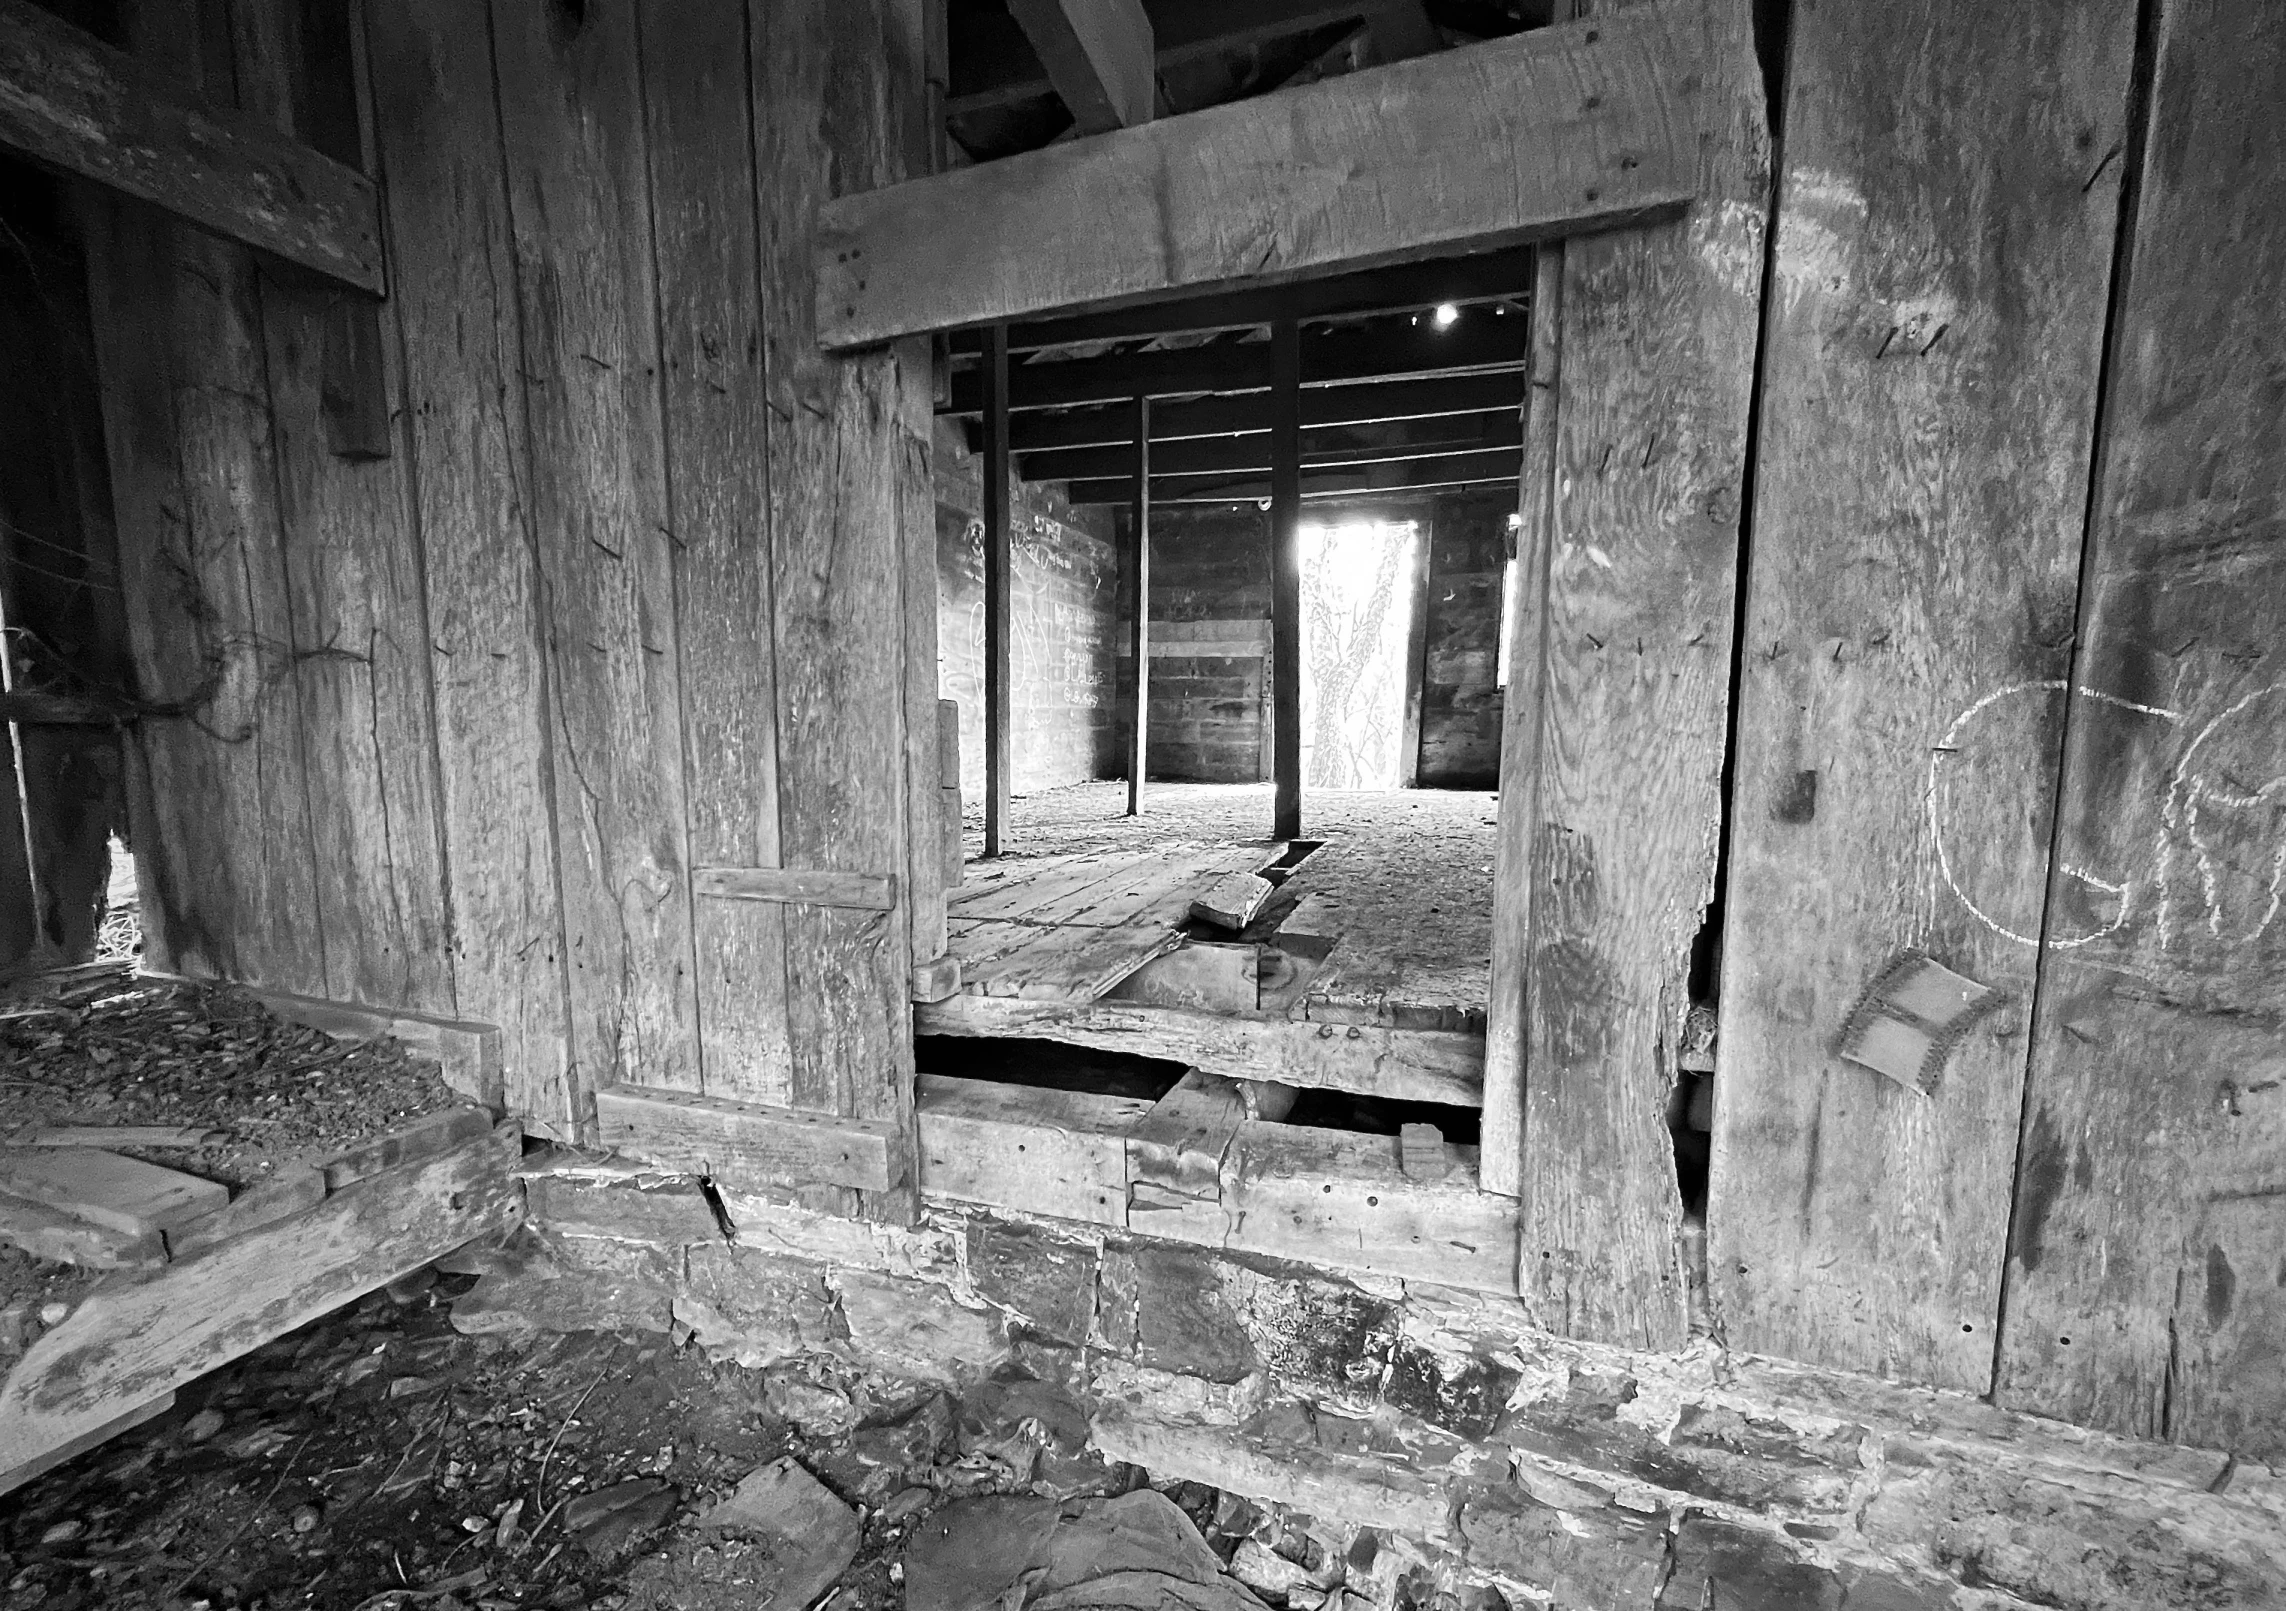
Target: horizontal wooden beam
<point x="1250" y="453"/>
<point x="1476" y="345"/>
<point x="1421" y="1065"/>
<point x="748" y="1144"/>
<point x="71" y="101"/>
<point x="794" y="886"/>
<point x="1360" y="403"/>
<point x="468" y="1052"/>
<point x="1593" y="125"/>
<point x="1098" y="54"/>
<point x="1484" y="277"/>
<point x="1488" y="467"/>
<point x="994" y="65"/>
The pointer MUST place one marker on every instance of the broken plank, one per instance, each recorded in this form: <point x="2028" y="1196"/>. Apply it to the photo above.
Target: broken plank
<point x="1060" y="1153"/>
<point x="790" y="886"/>
<point x="1232" y="900"/>
<point x="70" y="100"/>
<point x="135" y="1340"/>
<point x="1571" y="128"/>
<point x="50" y="1233"/>
<point x="422" y="1137"/>
<point x="1200" y="975"/>
<point x="1426" y="1065"/>
<point x="1071" y="964"/>
<point x="748" y="1144"/>
<point x="125" y="1194"/>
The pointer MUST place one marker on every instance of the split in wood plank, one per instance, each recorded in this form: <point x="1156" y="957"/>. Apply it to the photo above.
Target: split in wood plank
<point x="746" y="1143"/>
<point x="789" y="886"/>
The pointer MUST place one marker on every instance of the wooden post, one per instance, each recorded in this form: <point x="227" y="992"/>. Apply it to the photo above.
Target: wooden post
<point x="1140" y="634"/>
<point x="996" y="705"/>
<point x="1286" y="575"/>
<point x="1416" y="654"/>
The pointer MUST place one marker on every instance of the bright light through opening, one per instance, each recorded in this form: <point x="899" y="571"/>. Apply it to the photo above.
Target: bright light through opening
<point x="1446" y="316"/>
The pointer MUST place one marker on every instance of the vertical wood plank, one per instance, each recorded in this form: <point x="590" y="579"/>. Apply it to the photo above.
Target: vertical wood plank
<point x="699" y="109"/>
<point x="453" y="301"/>
<point x="1929" y="399"/>
<point x="1523" y="728"/>
<point x="837" y="87"/>
<point x="998" y="586"/>
<point x="352" y="563"/>
<point x="1286" y="578"/>
<point x="1658" y="356"/>
<point x="578" y="192"/>
<point x="2146" y="1284"/>
<point x="1139" y="629"/>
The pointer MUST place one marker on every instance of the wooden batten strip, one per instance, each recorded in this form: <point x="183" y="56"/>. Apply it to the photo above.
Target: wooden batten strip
<point x="746" y="1143"/>
<point x="792" y="886"/>
<point x="468" y="1052"/>
<point x="1587" y="126"/>
<point x="70" y="100"/>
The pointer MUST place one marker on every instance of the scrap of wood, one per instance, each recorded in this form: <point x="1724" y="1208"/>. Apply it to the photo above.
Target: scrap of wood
<point x="1059" y="1153"/>
<point x="749" y="1144"/>
<point x="135" y="1340"/>
<point x="1175" y="1160"/>
<point x="69" y="100"/>
<point x="294" y="1187"/>
<point x="467" y="1051"/>
<point x="125" y="1194"/>
<point x="49" y="1233"/>
<point x="116" y="1135"/>
<point x="936" y="979"/>
<point x="798" y="886"/>
<point x="1232" y="900"/>
<point x="1421" y="1151"/>
<point x="421" y="1137"/>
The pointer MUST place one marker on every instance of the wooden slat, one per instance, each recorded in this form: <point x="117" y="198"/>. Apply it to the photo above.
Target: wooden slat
<point x="837" y="99"/>
<point x="579" y="210"/>
<point x="999" y="758"/>
<point x="467" y="1053"/>
<point x="1928" y="403"/>
<point x="1567" y="129"/>
<point x="1098" y="54"/>
<point x="1413" y="1064"/>
<point x="437" y="128"/>
<point x="1286" y="578"/>
<point x="698" y="104"/>
<point x="748" y="1144"/>
<point x="68" y="99"/>
<point x="133" y="1341"/>
<point x="2151" y="1203"/>
<point x="1658" y="340"/>
<point x="792" y="886"/>
<point x="1139" y="645"/>
<point x="1061" y="1153"/>
<point x="1366" y="403"/>
<point x="1073" y="963"/>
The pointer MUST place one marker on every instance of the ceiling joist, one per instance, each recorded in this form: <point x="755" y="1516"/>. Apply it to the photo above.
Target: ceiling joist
<point x="1363" y="403"/>
<point x="1321" y="449"/>
<point x="1098" y="54"/>
<point x="1492" y="468"/>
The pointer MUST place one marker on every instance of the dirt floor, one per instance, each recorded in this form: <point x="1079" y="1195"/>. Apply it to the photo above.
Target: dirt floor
<point x="380" y="1460"/>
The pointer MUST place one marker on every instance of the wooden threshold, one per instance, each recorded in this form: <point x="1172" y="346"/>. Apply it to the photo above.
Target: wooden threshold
<point x="1420" y="1065"/>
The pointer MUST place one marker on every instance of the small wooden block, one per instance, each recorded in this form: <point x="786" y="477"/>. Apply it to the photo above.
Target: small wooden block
<point x="937" y="979"/>
<point x="46" y="1233"/>
<point x="125" y="1194"/>
<point x="295" y="1187"/>
<point x="1421" y="1148"/>
<point x="422" y="1137"/>
<point x="749" y="1144"/>
<point x="1232" y="900"/>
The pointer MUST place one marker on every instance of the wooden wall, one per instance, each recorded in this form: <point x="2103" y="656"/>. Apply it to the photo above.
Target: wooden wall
<point x="1210" y="665"/>
<point x="1063" y="607"/>
<point x="633" y="581"/>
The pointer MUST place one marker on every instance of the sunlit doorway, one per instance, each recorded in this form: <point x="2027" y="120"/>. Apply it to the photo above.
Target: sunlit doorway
<point x="1357" y="612"/>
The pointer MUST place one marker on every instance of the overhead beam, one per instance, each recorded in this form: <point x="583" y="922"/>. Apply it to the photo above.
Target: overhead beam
<point x="1286" y="580"/>
<point x="1588" y="126"/>
<point x="1399" y="288"/>
<point x="1362" y="403"/>
<point x="69" y="100"/>
<point x="1497" y="466"/>
<point x="1475" y="345"/>
<point x="1098" y="54"/>
<point x="1321" y="449"/>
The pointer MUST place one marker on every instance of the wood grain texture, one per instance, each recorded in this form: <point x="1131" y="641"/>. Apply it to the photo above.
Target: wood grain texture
<point x="1658" y="348"/>
<point x="1062" y="1153"/>
<point x="578" y="193"/>
<point x="104" y="1188"/>
<point x="467" y="1053"/>
<point x="706" y="238"/>
<point x="1098" y="55"/>
<point x="837" y="94"/>
<point x="2152" y="1194"/>
<point x="438" y="135"/>
<point x="793" y="886"/>
<point x="750" y="1145"/>
<point x="68" y="99"/>
<point x="353" y="569"/>
<point x="1929" y="399"/>
<point x="136" y="1340"/>
<point x="1567" y="128"/>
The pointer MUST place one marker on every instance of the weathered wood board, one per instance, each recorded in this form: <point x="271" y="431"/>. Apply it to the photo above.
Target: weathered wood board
<point x="1631" y="647"/>
<point x="579" y="215"/>
<point x="437" y="130"/>
<point x="125" y="1194"/>
<point x="2144" y="1276"/>
<point x="749" y="1144"/>
<point x="1567" y="128"/>
<point x="1061" y="1153"/>
<point x="1943" y="251"/>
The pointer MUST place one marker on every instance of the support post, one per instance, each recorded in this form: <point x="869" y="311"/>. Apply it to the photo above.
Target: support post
<point x="996" y="608"/>
<point x="1286" y="575"/>
<point x="1140" y="634"/>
